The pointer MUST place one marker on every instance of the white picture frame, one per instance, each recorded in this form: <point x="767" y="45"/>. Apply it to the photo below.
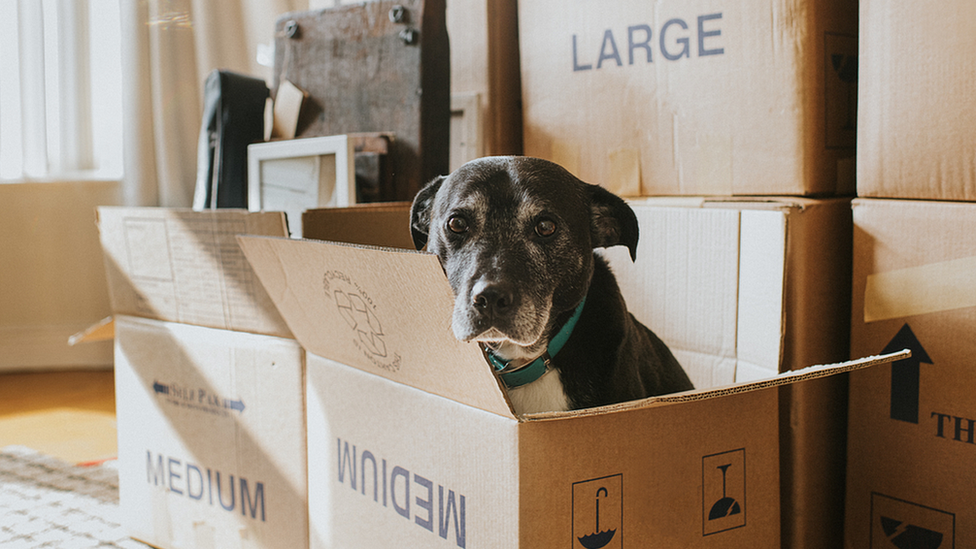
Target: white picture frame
<point x="295" y="175"/>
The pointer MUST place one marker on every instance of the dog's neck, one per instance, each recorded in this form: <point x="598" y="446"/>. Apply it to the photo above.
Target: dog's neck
<point x="520" y="365"/>
<point x="515" y="355"/>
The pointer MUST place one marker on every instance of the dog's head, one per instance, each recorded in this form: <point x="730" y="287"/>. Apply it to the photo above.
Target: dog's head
<point x="515" y="236"/>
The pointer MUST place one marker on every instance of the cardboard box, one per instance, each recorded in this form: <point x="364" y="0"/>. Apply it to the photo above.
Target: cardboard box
<point x="911" y="433"/>
<point x="693" y="98"/>
<point x="392" y="394"/>
<point x="486" y="110"/>
<point x="209" y="384"/>
<point x="916" y="127"/>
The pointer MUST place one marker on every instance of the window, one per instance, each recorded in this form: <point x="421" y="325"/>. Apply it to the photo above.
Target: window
<point x="60" y="90"/>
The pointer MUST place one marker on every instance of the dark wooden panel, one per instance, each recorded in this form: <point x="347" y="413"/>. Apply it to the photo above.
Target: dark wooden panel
<point x="366" y="72"/>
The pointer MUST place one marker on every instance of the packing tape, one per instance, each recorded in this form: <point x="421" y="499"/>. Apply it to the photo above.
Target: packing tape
<point x="931" y="288"/>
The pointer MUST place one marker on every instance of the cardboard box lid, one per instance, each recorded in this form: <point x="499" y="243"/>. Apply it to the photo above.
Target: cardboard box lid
<point x="381" y="310"/>
<point x="388" y="312"/>
<point x="184" y="266"/>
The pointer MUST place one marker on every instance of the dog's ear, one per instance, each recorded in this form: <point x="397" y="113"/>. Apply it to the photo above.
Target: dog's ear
<point x="612" y="222"/>
<point x="420" y="212"/>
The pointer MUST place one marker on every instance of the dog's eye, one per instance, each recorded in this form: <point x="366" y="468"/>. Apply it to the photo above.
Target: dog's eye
<point x="545" y="227"/>
<point x="457" y="224"/>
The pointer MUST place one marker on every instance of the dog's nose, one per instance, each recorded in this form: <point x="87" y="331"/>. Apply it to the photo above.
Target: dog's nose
<point x="494" y="299"/>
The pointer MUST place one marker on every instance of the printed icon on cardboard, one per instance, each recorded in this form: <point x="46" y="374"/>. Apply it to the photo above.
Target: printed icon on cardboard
<point x="361" y="313"/>
<point x="905" y="375"/>
<point x="597" y="513"/>
<point x="840" y="90"/>
<point x="723" y="491"/>
<point x="900" y="524"/>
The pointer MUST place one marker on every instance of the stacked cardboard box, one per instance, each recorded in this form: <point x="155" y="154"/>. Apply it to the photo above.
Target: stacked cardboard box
<point x="209" y="384"/>
<point x="693" y="98"/>
<point x="911" y="445"/>
<point x="708" y="98"/>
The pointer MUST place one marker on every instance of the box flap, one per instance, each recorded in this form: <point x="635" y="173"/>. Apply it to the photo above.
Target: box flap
<point x="184" y="266"/>
<point x="786" y="378"/>
<point x="385" y="224"/>
<point x="384" y="311"/>
<point x="710" y="281"/>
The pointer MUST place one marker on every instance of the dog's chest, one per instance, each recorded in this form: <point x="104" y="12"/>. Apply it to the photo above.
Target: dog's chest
<point x="545" y="394"/>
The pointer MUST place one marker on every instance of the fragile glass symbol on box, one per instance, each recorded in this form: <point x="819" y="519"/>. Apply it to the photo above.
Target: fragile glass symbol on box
<point x="723" y="492"/>
<point x="726" y="506"/>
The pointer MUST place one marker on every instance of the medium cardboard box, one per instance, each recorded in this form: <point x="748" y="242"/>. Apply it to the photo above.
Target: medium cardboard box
<point x="209" y="384"/>
<point x="693" y="98"/>
<point x="916" y="126"/>
<point x="910" y="476"/>
<point x="392" y="394"/>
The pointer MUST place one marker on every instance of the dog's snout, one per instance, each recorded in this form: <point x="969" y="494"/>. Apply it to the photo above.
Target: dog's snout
<point x="494" y="299"/>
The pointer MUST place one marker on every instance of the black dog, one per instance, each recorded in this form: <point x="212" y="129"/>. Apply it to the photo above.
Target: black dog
<point x="515" y="236"/>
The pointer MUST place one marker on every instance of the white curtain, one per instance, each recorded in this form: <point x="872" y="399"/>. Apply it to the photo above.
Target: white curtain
<point x="168" y="49"/>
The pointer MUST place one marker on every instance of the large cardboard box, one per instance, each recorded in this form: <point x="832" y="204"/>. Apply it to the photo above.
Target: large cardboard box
<point x="910" y="476"/>
<point x="693" y="98"/>
<point x="916" y="127"/>
<point x="209" y="384"/>
<point x="739" y="290"/>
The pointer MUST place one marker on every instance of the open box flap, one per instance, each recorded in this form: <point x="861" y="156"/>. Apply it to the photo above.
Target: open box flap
<point x="384" y="311"/>
<point x="184" y="266"/>
<point x="786" y="378"/>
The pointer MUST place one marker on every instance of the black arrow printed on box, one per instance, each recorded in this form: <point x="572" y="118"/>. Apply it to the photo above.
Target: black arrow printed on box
<point x="905" y="375"/>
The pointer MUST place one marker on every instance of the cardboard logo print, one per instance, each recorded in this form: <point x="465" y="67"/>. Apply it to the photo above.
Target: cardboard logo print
<point x="723" y="492"/>
<point x="201" y="399"/>
<point x="597" y="513"/>
<point x="358" y="310"/>
<point x="361" y="319"/>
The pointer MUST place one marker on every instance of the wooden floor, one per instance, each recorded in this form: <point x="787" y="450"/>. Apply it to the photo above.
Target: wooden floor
<point x="69" y="415"/>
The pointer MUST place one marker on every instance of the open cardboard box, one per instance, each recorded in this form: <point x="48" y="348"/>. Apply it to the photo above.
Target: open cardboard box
<point x="209" y="383"/>
<point x="412" y="441"/>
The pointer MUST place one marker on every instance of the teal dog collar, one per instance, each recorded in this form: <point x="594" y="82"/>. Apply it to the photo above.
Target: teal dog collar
<point x="537" y="368"/>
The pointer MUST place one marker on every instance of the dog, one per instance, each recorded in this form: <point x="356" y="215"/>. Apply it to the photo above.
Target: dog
<point x="516" y="238"/>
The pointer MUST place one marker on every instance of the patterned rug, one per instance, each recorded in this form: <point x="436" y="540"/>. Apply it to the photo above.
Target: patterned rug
<point x="47" y="503"/>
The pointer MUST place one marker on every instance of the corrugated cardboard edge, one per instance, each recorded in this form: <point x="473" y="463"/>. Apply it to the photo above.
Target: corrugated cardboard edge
<point x="103" y="330"/>
<point x="795" y="376"/>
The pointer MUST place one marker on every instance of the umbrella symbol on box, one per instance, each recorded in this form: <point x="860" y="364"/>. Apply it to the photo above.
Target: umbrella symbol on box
<point x="726" y="506"/>
<point x="598" y="538"/>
